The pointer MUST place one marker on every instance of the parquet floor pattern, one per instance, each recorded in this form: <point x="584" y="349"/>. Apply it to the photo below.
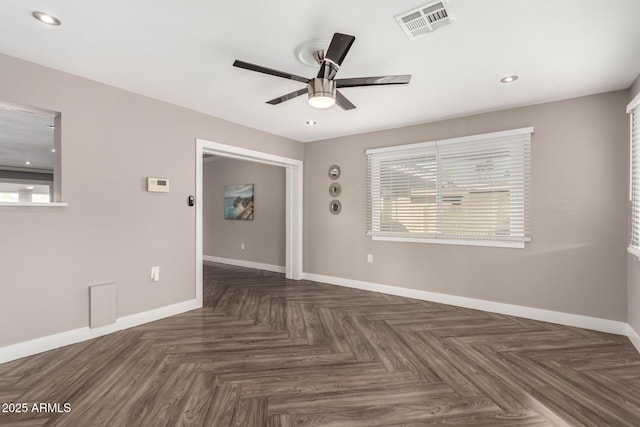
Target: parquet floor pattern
<point x="265" y="351"/>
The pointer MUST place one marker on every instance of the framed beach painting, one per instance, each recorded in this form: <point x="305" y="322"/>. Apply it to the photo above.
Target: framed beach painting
<point x="238" y="202"/>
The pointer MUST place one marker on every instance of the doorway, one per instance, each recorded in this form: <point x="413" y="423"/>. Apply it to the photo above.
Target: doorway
<point x="293" y="204"/>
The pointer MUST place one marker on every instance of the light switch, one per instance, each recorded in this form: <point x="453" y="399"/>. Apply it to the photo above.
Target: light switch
<point x="155" y="274"/>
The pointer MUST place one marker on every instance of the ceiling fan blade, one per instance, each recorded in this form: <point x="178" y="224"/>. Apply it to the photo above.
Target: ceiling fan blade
<point x="270" y="71"/>
<point x="339" y="47"/>
<point x="343" y="102"/>
<point x="337" y="51"/>
<point x="372" y="81"/>
<point x="287" y="97"/>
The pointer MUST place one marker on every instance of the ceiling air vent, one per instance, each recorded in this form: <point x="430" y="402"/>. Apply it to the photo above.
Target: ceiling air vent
<point x="425" y="19"/>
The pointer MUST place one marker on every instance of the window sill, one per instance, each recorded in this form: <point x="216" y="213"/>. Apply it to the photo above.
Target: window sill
<point x="39" y="205"/>
<point x="634" y="251"/>
<point x="461" y="242"/>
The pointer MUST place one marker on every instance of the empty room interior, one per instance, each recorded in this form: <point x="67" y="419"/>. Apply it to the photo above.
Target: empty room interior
<point x="362" y="213"/>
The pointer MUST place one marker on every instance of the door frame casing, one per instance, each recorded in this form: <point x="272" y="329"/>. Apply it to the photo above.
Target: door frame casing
<point x="293" y="208"/>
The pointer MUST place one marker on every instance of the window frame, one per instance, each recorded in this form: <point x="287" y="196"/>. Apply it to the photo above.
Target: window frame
<point x="56" y="184"/>
<point x="633" y="109"/>
<point x="377" y="155"/>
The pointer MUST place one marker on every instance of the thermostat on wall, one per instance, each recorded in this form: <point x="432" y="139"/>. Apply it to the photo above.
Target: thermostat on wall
<point x="158" y="185"/>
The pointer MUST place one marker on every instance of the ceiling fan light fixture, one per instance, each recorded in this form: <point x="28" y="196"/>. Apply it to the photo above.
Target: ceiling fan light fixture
<point x="322" y="102"/>
<point x="322" y="93"/>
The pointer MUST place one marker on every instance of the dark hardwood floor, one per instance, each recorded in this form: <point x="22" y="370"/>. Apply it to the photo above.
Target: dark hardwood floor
<point x="265" y="351"/>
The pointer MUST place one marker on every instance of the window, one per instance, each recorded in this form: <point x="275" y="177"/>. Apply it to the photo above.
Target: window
<point x="634" y="241"/>
<point x="15" y="192"/>
<point x="472" y="190"/>
<point x="29" y="155"/>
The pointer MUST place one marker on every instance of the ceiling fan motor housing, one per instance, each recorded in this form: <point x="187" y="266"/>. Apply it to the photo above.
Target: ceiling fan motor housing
<point x="322" y="90"/>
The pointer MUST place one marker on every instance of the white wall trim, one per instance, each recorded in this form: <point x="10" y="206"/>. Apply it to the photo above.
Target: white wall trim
<point x="586" y="322"/>
<point x="634" y="251"/>
<point x="463" y="242"/>
<point x="244" y="263"/>
<point x="39" y="345"/>
<point x="35" y="205"/>
<point x="634" y="337"/>
<point x="293" y="210"/>
<point x="634" y="103"/>
<point x="469" y="138"/>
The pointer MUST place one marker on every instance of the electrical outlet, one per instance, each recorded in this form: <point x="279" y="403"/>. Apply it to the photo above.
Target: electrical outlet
<point x="155" y="274"/>
<point x="369" y="257"/>
<point x="242" y="246"/>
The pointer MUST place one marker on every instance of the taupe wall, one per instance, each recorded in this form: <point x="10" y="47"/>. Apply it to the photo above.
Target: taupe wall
<point x="264" y="237"/>
<point x="576" y="262"/>
<point x="633" y="262"/>
<point x="113" y="230"/>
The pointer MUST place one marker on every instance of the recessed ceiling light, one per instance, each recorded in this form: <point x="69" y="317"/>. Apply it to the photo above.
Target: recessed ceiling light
<point x="53" y="150"/>
<point x="509" y="79"/>
<point x="29" y="187"/>
<point x="46" y="18"/>
<point x="311" y="122"/>
<point x="27" y="162"/>
<point x="52" y="127"/>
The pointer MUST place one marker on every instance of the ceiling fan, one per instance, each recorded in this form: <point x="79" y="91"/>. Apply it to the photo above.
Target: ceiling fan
<point x="323" y="89"/>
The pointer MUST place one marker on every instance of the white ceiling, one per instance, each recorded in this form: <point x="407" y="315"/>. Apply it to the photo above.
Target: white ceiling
<point x="182" y="51"/>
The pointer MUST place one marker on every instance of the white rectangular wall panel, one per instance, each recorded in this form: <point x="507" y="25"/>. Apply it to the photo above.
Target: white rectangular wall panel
<point x="102" y="305"/>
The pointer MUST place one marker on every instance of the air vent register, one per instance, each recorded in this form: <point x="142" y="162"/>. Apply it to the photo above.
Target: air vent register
<point x="425" y="19"/>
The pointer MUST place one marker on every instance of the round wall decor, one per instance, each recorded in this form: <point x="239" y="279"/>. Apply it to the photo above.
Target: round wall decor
<point x="334" y="171"/>
<point x="335" y="207"/>
<point x="335" y="189"/>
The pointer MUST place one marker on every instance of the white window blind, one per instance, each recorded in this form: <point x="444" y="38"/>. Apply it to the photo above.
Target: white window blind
<point x="471" y="190"/>
<point x="634" y="241"/>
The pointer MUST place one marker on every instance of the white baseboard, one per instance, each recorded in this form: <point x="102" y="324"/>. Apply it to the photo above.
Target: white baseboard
<point x="634" y="337"/>
<point x="39" y="345"/>
<point x="243" y="263"/>
<point x="586" y="322"/>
